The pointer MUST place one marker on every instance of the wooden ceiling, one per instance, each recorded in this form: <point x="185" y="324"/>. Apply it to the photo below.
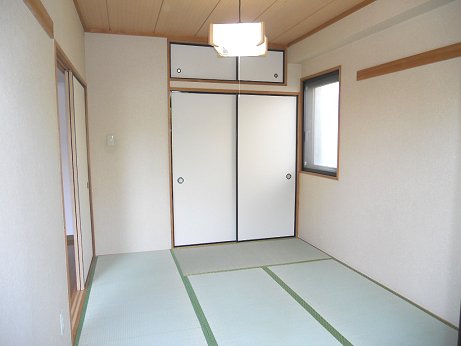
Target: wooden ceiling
<point x="286" y="21"/>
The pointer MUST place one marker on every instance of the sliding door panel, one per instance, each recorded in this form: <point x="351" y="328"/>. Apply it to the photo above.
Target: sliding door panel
<point x="266" y="166"/>
<point x="82" y="176"/>
<point x="204" y="174"/>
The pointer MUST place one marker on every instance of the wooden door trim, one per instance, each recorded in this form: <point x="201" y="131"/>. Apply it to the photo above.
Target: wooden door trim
<point x="235" y="91"/>
<point x="41" y="14"/>
<point x="427" y="57"/>
<point x="75" y="301"/>
<point x="62" y="58"/>
<point x="76" y="192"/>
<point x="170" y="146"/>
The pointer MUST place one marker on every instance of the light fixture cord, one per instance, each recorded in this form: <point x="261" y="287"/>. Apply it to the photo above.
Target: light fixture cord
<point x="240" y="11"/>
<point x="240" y="20"/>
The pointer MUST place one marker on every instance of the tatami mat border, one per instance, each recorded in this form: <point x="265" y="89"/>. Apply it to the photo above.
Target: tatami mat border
<point x="324" y="323"/>
<point x="260" y="266"/>
<point x="207" y="332"/>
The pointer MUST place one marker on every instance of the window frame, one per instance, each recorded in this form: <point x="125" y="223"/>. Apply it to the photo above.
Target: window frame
<point x="315" y="171"/>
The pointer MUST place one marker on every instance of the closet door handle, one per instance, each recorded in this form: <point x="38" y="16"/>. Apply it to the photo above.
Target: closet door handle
<point x="288" y="176"/>
<point x="180" y="180"/>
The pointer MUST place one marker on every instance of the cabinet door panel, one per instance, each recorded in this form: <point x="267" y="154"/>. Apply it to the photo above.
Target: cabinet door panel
<point x="204" y="174"/>
<point x="200" y="62"/>
<point x="268" y="68"/>
<point x="266" y="166"/>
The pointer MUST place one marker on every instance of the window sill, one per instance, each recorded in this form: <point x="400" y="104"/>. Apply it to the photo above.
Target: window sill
<point x="331" y="177"/>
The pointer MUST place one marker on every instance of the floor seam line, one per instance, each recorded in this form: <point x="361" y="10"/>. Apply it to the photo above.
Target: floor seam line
<point x="257" y="267"/>
<point x="206" y="329"/>
<point x="323" y="322"/>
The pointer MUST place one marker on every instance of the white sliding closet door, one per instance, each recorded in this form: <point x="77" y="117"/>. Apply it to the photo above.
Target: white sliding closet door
<point x="204" y="174"/>
<point x="82" y="179"/>
<point x="266" y="166"/>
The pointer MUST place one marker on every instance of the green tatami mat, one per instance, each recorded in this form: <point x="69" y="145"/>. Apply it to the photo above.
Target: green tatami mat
<point x="139" y="299"/>
<point x="247" y="307"/>
<point x="362" y="311"/>
<point x="213" y="258"/>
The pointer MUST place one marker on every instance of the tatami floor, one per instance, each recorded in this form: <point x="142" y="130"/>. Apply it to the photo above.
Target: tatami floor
<point x="271" y="292"/>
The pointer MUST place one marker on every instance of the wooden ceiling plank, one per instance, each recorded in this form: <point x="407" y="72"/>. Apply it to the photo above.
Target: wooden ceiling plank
<point x="323" y="15"/>
<point x="183" y="17"/>
<point x="283" y="14"/>
<point x="94" y="13"/>
<point x="253" y="9"/>
<point x="226" y="11"/>
<point x="331" y="21"/>
<point x="136" y="16"/>
<point x="158" y="16"/>
<point x="206" y="22"/>
<point x="80" y="15"/>
<point x="286" y="21"/>
<point x="311" y="21"/>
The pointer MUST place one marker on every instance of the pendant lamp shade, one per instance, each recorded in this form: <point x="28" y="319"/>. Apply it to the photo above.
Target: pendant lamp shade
<point x="238" y="39"/>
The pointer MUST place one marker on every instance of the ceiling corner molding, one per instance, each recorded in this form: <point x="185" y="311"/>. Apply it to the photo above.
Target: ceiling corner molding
<point x="80" y="15"/>
<point x="41" y="14"/>
<point x="332" y="21"/>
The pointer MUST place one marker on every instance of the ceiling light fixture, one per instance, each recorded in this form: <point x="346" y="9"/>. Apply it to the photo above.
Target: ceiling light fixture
<point x="238" y="39"/>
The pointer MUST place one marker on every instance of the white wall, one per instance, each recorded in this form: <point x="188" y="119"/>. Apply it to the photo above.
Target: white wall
<point x="127" y="97"/>
<point x="33" y="278"/>
<point x="395" y="212"/>
<point x="68" y="31"/>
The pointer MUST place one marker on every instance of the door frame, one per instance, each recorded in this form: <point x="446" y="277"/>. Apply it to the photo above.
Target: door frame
<point x="72" y="188"/>
<point x="63" y="63"/>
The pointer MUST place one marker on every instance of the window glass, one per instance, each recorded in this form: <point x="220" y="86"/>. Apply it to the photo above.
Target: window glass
<point x="321" y="114"/>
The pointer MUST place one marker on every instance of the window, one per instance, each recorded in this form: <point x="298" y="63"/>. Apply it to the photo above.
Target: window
<point x="321" y="120"/>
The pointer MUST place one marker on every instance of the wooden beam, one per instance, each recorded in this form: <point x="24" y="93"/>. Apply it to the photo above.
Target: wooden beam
<point x="41" y="14"/>
<point x="235" y="91"/>
<point x="429" y="57"/>
<point x="332" y="21"/>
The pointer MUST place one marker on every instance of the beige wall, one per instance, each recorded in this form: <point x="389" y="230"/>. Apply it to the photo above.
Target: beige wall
<point x="68" y="31"/>
<point x="395" y="212"/>
<point x="33" y="278"/>
<point x="127" y="97"/>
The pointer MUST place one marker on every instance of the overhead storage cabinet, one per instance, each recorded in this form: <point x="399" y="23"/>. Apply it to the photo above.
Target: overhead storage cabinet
<point x="188" y="61"/>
